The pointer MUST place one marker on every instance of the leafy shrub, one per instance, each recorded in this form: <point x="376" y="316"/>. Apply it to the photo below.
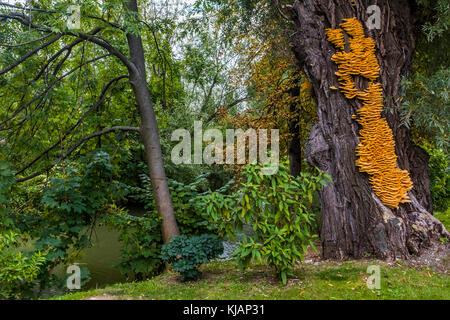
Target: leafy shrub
<point x="185" y="197"/>
<point x="71" y="202"/>
<point x="279" y="207"/>
<point x="439" y="178"/>
<point x="424" y="92"/>
<point x="141" y="236"/>
<point x="141" y="243"/>
<point x="7" y="179"/>
<point x="17" y="270"/>
<point x="187" y="254"/>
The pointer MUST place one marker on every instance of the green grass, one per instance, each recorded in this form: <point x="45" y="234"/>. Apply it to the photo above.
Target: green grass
<point x="328" y="280"/>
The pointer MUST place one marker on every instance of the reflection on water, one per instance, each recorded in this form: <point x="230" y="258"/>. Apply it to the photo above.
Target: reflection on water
<point x="99" y="258"/>
<point x="104" y="253"/>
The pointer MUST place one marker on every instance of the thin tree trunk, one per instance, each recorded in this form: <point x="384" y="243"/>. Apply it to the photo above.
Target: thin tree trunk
<point x="295" y="146"/>
<point x="355" y="221"/>
<point x="150" y="135"/>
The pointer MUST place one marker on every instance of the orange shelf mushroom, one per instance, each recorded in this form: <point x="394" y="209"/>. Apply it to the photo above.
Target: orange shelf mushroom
<point x="376" y="150"/>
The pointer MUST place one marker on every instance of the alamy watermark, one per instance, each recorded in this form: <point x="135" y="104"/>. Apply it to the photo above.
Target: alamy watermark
<point x="374" y="280"/>
<point x="73" y="281"/>
<point x="74" y="18"/>
<point x="162" y="8"/>
<point x="374" y="19"/>
<point x="231" y="150"/>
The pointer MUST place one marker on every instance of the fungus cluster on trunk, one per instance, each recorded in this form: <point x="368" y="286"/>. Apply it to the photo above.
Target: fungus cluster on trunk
<point x="376" y="150"/>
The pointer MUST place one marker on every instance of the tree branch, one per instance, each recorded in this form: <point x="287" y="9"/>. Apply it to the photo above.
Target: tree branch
<point x="25" y="43"/>
<point x="68" y="47"/>
<point x="77" y="145"/>
<point x="30" y="53"/>
<point x="24" y="8"/>
<point x="110" y="48"/>
<point x="63" y="138"/>
<point x="23" y="19"/>
<point x="211" y="117"/>
<point x="48" y="89"/>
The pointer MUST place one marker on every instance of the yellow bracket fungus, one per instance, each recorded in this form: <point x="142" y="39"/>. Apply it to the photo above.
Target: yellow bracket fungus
<point x="376" y="150"/>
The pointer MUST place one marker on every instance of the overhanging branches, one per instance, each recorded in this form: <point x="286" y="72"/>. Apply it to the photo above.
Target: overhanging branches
<point x="76" y="146"/>
<point x="79" y="122"/>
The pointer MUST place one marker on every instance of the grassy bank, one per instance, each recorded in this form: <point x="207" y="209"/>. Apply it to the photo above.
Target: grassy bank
<point x="444" y="217"/>
<point x="320" y="280"/>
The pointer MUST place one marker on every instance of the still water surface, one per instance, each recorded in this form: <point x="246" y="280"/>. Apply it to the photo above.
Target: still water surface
<point x="99" y="258"/>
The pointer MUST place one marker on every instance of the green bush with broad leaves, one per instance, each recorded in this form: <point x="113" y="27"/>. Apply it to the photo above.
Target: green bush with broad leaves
<point x="438" y="165"/>
<point x="18" y="270"/>
<point x="187" y="254"/>
<point x="141" y="236"/>
<point x="141" y="242"/>
<point x="72" y="202"/>
<point x="188" y="210"/>
<point x="278" y="207"/>
<point x="7" y="180"/>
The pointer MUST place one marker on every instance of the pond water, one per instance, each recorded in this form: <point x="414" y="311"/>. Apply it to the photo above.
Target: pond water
<point x="104" y="253"/>
<point x="98" y="259"/>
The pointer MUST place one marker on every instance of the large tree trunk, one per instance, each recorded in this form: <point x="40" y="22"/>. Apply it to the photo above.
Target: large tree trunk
<point x="150" y="135"/>
<point x="355" y="221"/>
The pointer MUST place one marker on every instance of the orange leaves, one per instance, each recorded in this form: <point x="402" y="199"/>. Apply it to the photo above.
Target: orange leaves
<point x="376" y="150"/>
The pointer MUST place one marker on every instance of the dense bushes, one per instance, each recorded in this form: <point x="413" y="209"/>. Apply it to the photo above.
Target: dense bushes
<point x="141" y="242"/>
<point x="68" y="205"/>
<point x="17" y="270"/>
<point x="190" y="215"/>
<point x="141" y="236"/>
<point x="279" y="209"/>
<point x="187" y="254"/>
<point x="439" y="178"/>
<point x="7" y="180"/>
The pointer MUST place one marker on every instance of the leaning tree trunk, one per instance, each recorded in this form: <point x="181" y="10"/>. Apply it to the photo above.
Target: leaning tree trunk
<point x="355" y="220"/>
<point x="150" y="135"/>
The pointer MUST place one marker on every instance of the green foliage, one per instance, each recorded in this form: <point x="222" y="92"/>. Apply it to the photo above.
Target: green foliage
<point x="17" y="270"/>
<point x="185" y="197"/>
<point x="278" y="207"/>
<point x="141" y="242"/>
<point x="7" y="179"/>
<point x="428" y="105"/>
<point x="70" y="203"/>
<point x="141" y="236"/>
<point x="438" y="17"/>
<point x="439" y="177"/>
<point x="187" y="254"/>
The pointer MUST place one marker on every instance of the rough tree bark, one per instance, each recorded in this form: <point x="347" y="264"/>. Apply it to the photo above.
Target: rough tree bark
<point x="355" y="221"/>
<point x="150" y="134"/>
<point x="295" y="145"/>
